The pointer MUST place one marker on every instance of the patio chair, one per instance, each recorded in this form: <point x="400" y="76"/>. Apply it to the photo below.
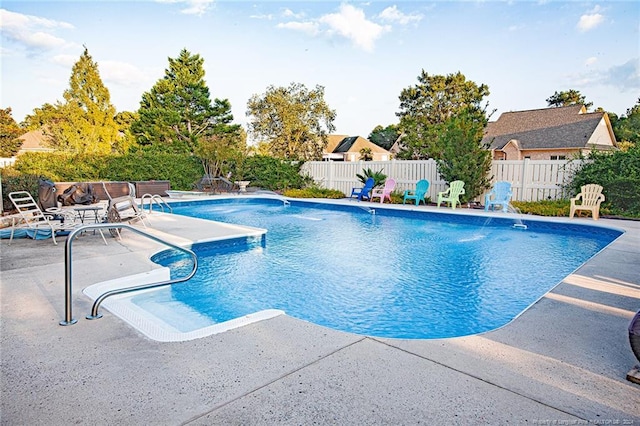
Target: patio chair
<point x="123" y="209"/>
<point x="385" y="192"/>
<point x="500" y="195"/>
<point x="420" y="193"/>
<point x="363" y="192"/>
<point x="39" y="224"/>
<point x="452" y="194"/>
<point x="590" y="198"/>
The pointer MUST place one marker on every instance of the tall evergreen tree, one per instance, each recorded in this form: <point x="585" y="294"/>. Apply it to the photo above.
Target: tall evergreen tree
<point x="84" y="123"/>
<point x="177" y="111"/>
<point x="461" y="155"/>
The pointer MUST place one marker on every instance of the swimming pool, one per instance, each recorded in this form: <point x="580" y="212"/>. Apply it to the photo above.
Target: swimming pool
<point x="388" y="273"/>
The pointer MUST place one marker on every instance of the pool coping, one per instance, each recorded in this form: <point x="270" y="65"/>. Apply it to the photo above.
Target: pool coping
<point x="157" y="329"/>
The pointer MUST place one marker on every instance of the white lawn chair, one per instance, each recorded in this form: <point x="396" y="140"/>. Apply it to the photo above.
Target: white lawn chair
<point x="34" y="219"/>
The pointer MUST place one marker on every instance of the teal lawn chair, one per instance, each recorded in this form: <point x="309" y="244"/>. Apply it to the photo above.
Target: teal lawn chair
<point x="500" y="195"/>
<point x="365" y="191"/>
<point x="420" y="194"/>
<point x="452" y="195"/>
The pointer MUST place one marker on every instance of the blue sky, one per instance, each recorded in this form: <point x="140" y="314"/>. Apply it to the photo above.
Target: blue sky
<point x="363" y="53"/>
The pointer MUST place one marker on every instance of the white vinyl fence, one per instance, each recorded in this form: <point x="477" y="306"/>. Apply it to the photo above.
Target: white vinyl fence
<point x="531" y="180"/>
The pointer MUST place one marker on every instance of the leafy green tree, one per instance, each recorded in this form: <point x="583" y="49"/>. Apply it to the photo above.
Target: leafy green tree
<point x="627" y="128"/>
<point x="9" y="134"/>
<point x="293" y="121"/>
<point x="223" y="153"/>
<point x="462" y="155"/>
<point x="432" y="102"/>
<point x="177" y="111"/>
<point x="84" y="123"/>
<point x="385" y="137"/>
<point x="126" y="140"/>
<point x="566" y="98"/>
<point x="47" y="115"/>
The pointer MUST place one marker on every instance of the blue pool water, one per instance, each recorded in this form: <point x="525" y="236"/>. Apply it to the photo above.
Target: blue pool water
<point x="398" y="274"/>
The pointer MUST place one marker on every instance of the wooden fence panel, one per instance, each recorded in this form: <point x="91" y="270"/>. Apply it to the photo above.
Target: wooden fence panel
<point x="531" y="180"/>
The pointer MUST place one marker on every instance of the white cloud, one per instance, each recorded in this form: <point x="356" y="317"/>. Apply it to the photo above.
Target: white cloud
<point x="288" y="13"/>
<point x="392" y="14"/>
<point x="625" y="77"/>
<point x="349" y="23"/>
<point x="33" y="32"/>
<point x="193" y="7"/>
<point x="65" y="60"/>
<point x="590" y="61"/>
<point x="121" y="73"/>
<point x="352" y="24"/>
<point x="590" y="20"/>
<point x="310" y="28"/>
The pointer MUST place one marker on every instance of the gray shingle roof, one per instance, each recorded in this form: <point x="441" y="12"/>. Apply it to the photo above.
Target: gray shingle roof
<point x="549" y="128"/>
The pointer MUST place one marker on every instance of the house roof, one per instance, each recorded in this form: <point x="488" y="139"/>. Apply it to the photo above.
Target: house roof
<point x="338" y="144"/>
<point x="34" y="140"/>
<point x="549" y="128"/>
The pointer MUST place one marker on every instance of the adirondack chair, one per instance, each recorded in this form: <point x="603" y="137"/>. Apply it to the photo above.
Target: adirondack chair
<point x="590" y="196"/>
<point x="385" y="192"/>
<point x="420" y="193"/>
<point x="452" y="195"/>
<point x="365" y="191"/>
<point x="499" y="195"/>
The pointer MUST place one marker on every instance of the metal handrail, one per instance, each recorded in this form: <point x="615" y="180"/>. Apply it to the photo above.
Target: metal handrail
<point x="69" y="320"/>
<point x="158" y="200"/>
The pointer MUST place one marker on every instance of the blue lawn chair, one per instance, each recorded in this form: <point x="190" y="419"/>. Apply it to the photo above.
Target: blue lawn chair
<point x="365" y="191"/>
<point x="420" y="194"/>
<point x="499" y="195"/>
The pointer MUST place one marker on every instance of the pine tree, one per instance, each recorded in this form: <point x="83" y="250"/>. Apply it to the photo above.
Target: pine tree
<point x="177" y="112"/>
<point x="84" y="123"/>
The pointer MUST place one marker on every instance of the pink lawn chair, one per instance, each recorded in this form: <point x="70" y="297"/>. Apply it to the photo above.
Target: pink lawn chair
<point x="385" y="192"/>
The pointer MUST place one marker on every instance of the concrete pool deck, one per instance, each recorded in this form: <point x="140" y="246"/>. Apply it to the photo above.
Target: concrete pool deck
<point x="563" y="361"/>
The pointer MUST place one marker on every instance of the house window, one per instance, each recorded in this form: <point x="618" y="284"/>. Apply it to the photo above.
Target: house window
<point x="558" y="157"/>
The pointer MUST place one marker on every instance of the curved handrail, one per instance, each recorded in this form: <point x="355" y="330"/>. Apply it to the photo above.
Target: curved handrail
<point x="158" y="200"/>
<point x="69" y="320"/>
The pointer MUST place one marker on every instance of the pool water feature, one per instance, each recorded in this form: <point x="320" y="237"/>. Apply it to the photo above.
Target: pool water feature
<point x="395" y="273"/>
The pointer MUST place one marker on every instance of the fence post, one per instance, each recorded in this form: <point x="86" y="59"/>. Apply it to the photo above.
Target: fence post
<point x="523" y="177"/>
<point x="330" y="176"/>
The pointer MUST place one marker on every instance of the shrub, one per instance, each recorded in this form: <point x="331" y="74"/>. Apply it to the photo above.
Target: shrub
<point x="13" y="181"/>
<point x="314" y="193"/>
<point x="619" y="175"/>
<point x="274" y="174"/>
<point x="556" y="208"/>
<point x="378" y="177"/>
<point x="623" y="196"/>
<point x="182" y="170"/>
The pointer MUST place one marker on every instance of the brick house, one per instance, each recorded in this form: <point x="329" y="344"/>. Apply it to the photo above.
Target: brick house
<point x="347" y="148"/>
<point x="549" y="134"/>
